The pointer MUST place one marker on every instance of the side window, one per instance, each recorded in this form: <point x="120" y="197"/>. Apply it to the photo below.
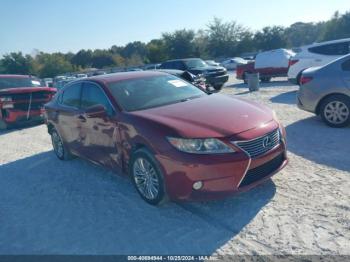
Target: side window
<point x="71" y="96"/>
<point x="346" y="65"/>
<point x="331" y="49"/>
<point x="179" y="65"/>
<point x="166" y="65"/>
<point x="94" y="95"/>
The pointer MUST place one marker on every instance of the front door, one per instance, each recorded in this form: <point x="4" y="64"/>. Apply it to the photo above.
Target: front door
<point x="98" y="135"/>
<point x="67" y="117"/>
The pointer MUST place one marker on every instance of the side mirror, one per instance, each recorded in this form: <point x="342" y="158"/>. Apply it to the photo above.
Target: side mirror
<point x="96" y="111"/>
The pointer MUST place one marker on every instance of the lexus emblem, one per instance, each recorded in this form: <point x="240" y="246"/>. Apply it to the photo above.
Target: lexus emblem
<point x="267" y="142"/>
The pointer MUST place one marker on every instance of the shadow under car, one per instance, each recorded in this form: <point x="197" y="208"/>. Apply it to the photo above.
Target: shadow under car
<point x="312" y="139"/>
<point x="73" y="207"/>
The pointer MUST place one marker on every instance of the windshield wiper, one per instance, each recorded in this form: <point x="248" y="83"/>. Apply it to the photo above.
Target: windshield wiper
<point x="189" y="98"/>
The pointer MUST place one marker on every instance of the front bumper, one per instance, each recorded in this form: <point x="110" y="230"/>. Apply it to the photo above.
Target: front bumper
<point x="307" y="100"/>
<point x="221" y="175"/>
<point x="12" y="116"/>
<point x="217" y="80"/>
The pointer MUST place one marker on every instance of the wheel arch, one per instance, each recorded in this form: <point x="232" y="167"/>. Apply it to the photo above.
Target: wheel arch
<point x="136" y="145"/>
<point x="318" y="107"/>
<point x="50" y="127"/>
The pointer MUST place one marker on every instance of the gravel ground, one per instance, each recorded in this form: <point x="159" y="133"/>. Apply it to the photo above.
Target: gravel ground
<point x="52" y="207"/>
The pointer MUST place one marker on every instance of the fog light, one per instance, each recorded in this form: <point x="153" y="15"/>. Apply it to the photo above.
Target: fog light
<point x="197" y="185"/>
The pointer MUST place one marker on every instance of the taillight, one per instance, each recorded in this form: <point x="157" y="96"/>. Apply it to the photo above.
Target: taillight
<point x="305" y="79"/>
<point x="292" y="62"/>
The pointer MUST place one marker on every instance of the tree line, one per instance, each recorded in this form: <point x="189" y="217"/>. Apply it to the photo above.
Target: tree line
<point x="218" y="39"/>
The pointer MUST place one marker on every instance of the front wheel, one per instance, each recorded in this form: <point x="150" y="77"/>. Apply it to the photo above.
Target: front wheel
<point x="335" y="111"/>
<point x="218" y="87"/>
<point x="147" y="177"/>
<point x="265" y="79"/>
<point x="59" y="148"/>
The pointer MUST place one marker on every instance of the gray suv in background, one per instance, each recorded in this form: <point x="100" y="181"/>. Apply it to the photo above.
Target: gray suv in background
<point x="325" y="91"/>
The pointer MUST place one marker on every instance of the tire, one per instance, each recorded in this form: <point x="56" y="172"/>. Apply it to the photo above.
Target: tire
<point x="245" y="80"/>
<point x="61" y="151"/>
<point x="144" y="167"/>
<point x="265" y="79"/>
<point x="3" y="125"/>
<point x="335" y="111"/>
<point x="218" y="87"/>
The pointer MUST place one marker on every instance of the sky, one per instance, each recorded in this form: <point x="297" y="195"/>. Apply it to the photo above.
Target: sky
<point x="71" y="25"/>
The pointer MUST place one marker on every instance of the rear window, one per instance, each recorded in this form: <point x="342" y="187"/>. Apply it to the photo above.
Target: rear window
<point x="331" y="49"/>
<point x="194" y="63"/>
<point x="167" y="65"/>
<point x="13" y="82"/>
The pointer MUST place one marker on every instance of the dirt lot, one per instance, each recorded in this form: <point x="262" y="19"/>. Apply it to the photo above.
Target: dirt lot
<point x="54" y="207"/>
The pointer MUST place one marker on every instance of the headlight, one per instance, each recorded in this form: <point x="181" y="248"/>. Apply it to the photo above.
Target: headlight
<point x="6" y="99"/>
<point x="200" y="146"/>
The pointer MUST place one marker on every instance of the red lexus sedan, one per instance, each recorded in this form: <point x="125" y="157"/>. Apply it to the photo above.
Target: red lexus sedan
<point x="174" y="140"/>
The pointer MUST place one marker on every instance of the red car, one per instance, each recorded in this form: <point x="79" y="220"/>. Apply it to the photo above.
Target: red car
<point x="22" y="99"/>
<point x="173" y="139"/>
<point x="265" y="74"/>
<point x="269" y="64"/>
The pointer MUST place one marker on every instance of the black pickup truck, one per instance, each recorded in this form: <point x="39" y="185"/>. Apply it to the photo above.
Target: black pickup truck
<point x="215" y="76"/>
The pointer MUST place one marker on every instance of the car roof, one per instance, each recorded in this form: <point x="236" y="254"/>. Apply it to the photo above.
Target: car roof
<point x="329" y="42"/>
<point x="15" y="76"/>
<point x="116" y="77"/>
<point x="171" y="71"/>
<point x="183" y="59"/>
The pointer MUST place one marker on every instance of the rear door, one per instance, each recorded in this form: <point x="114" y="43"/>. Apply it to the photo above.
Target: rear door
<point x="68" y="116"/>
<point x="99" y="135"/>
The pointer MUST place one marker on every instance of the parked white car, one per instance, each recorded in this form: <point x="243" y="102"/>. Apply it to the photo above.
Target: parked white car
<point x="317" y="54"/>
<point x="232" y="63"/>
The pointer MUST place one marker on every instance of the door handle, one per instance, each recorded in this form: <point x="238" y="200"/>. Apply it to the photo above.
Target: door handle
<point x="82" y="118"/>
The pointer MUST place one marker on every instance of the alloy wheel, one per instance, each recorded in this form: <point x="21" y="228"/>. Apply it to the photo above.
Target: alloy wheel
<point x="57" y="144"/>
<point x="146" y="178"/>
<point x="336" y="112"/>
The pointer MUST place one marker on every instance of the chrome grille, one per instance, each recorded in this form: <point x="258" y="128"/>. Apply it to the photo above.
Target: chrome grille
<point x="261" y="145"/>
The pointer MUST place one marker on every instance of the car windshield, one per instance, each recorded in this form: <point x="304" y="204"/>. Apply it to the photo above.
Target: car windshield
<point x="194" y="63"/>
<point x="13" y="82"/>
<point x="155" y="91"/>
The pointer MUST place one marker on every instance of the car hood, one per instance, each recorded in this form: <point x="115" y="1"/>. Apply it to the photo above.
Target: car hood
<point x="209" y="116"/>
<point x="21" y="90"/>
<point x="207" y="69"/>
